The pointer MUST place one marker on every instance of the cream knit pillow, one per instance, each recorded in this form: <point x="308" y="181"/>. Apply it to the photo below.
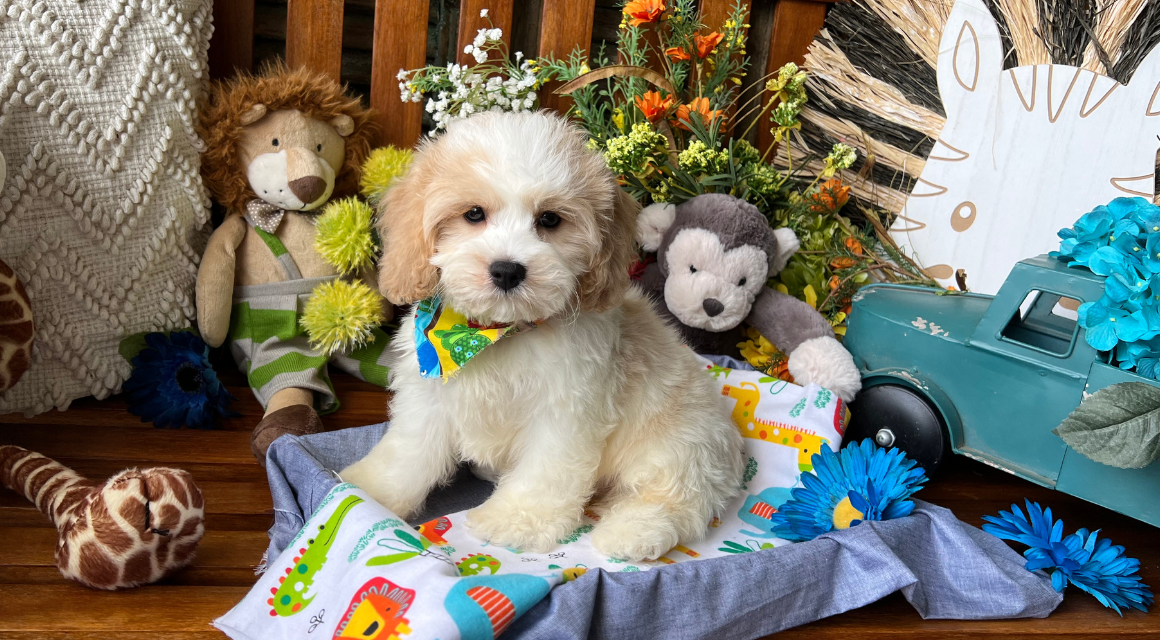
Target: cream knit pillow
<point x="103" y="212"/>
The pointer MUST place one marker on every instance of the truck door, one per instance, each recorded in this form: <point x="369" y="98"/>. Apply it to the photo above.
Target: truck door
<point x="1038" y="367"/>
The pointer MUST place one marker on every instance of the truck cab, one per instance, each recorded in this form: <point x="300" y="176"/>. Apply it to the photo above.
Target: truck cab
<point x="987" y="377"/>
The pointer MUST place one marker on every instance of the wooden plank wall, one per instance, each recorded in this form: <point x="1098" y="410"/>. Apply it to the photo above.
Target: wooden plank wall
<point x="314" y="37"/>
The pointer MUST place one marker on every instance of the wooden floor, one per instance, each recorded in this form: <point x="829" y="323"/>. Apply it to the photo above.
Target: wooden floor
<point x="100" y="438"/>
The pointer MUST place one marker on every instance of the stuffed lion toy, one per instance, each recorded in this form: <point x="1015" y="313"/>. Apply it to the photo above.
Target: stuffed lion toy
<point x="279" y="146"/>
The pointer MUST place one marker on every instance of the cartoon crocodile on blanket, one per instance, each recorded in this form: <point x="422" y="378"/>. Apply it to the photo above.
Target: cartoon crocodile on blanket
<point x="291" y="597"/>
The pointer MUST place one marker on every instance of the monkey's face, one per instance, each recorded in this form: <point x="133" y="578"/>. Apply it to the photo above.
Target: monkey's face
<point x="709" y="287"/>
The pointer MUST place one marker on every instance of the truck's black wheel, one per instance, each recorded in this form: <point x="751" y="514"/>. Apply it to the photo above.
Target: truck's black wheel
<point x="894" y="416"/>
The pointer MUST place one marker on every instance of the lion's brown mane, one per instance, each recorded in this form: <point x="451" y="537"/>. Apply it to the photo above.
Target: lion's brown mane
<point x="278" y="88"/>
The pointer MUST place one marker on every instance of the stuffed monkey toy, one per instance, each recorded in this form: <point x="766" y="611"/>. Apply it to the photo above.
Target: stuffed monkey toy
<point x="715" y="253"/>
<point x="130" y="530"/>
<point x="279" y="145"/>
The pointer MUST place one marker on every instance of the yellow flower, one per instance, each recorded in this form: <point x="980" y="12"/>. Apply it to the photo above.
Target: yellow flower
<point x="584" y="68"/>
<point x="618" y="119"/>
<point x="764" y="356"/>
<point x="811" y="296"/>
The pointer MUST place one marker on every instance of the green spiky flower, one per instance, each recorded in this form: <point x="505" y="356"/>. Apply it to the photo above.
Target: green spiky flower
<point x="382" y="168"/>
<point x="346" y="235"/>
<point x="340" y="316"/>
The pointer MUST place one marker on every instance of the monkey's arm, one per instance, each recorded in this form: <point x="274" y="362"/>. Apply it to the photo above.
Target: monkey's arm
<point x="806" y="337"/>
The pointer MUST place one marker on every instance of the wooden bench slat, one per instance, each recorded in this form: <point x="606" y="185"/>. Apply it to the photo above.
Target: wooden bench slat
<point x="499" y="15"/>
<point x="715" y="12"/>
<point x="400" y="43"/>
<point x="233" y="38"/>
<point x="564" y="25"/>
<point x="314" y="36"/>
<point x="795" y="23"/>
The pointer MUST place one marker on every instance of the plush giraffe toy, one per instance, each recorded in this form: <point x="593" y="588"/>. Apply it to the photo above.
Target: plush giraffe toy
<point x="16" y="329"/>
<point x="131" y="530"/>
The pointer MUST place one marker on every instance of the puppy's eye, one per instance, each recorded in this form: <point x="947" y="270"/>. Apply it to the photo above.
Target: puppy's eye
<point x="692" y="269"/>
<point x="549" y="220"/>
<point x="741" y="283"/>
<point x="274" y="142"/>
<point x="475" y="215"/>
<point x="319" y="148"/>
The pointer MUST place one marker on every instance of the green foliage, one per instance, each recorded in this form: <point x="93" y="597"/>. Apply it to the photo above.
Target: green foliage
<point x="1117" y="425"/>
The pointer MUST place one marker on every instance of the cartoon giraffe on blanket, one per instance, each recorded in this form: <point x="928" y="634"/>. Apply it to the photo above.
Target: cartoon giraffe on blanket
<point x="806" y="442"/>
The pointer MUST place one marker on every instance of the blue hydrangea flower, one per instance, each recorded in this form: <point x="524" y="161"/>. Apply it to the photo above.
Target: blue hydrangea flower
<point x="1120" y="240"/>
<point x="861" y="482"/>
<point x="1094" y="565"/>
<point x="1108" y="324"/>
<point x="173" y="383"/>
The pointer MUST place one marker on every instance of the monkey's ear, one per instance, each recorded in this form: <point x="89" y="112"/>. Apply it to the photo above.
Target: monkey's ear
<point x="652" y="223"/>
<point x="785" y="244"/>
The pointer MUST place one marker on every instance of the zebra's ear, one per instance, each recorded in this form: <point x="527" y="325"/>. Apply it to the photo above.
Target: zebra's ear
<point x="1145" y="84"/>
<point x="970" y="56"/>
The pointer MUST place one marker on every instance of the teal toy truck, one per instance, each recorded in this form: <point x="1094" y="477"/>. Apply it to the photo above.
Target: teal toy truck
<point x="989" y="378"/>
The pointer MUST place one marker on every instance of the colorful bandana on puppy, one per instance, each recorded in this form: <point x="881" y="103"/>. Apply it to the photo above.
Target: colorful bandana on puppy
<point x="445" y="339"/>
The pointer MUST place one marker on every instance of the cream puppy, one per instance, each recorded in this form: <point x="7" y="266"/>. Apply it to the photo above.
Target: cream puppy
<point x="509" y="218"/>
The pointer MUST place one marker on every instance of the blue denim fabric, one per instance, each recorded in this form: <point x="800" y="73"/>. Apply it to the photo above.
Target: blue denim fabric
<point x="944" y="567"/>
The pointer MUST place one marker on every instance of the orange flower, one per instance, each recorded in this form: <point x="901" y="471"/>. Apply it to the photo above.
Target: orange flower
<point x="842" y="262"/>
<point x="677" y="54"/>
<point x="834" y="282"/>
<point x="653" y="106"/>
<point x="854" y="246"/>
<point x="706" y="44"/>
<point x="831" y="196"/>
<point x="699" y="106"/>
<point x="642" y="11"/>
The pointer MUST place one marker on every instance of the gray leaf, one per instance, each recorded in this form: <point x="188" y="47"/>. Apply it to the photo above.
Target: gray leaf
<point x="1117" y="426"/>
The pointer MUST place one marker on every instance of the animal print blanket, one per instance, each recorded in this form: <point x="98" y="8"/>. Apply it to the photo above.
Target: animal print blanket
<point x="355" y="570"/>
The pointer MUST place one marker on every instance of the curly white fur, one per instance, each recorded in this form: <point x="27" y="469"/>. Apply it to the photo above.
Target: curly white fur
<point x="592" y="404"/>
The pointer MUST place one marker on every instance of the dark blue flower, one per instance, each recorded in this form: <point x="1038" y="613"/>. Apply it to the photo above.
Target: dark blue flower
<point x="861" y="482"/>
<point x="1094" y="565"/>
<point x="173" y="383"/>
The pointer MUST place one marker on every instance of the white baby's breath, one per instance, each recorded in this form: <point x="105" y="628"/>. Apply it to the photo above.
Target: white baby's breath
<point x="493" y="83"/>
<point x="483" y="13"/>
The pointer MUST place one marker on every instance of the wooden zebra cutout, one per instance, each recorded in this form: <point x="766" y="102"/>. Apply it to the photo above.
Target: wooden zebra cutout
<point x="1024" y="152"/>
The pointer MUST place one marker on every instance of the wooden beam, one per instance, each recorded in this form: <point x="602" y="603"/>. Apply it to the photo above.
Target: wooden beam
<point x="499" y="15"/>
<point x="795" y="23"/>
<point x="232" y="47"/>
<point x="400" y="43"/>
<point x="314" y="36"/>
<point x="564" y="25"/>
<point x="715" y="12"/>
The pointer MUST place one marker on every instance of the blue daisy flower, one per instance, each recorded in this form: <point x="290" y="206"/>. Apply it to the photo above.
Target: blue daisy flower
<point x="1093" y="564"/>
<point x="861" y="482"/>
<point x="173" y="383"/>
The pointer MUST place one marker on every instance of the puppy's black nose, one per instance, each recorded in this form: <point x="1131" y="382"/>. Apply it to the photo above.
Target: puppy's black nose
<point x="507" y="275"/>
<point x="712" y="306"/>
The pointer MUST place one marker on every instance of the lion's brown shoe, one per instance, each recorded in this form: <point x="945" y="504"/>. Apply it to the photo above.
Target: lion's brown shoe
<point x="296" y="419"/>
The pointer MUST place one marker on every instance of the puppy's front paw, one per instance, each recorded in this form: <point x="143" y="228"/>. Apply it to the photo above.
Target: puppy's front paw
<point x="619" y="535"/>
<point x="523" y="524"/>
<point x="371" y="478"/>
<point x="825" y="362"/>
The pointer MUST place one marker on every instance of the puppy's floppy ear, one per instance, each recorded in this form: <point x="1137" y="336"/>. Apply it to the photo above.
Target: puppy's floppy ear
<point x="604" y="285"/>
<point x="406" y="274"/>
